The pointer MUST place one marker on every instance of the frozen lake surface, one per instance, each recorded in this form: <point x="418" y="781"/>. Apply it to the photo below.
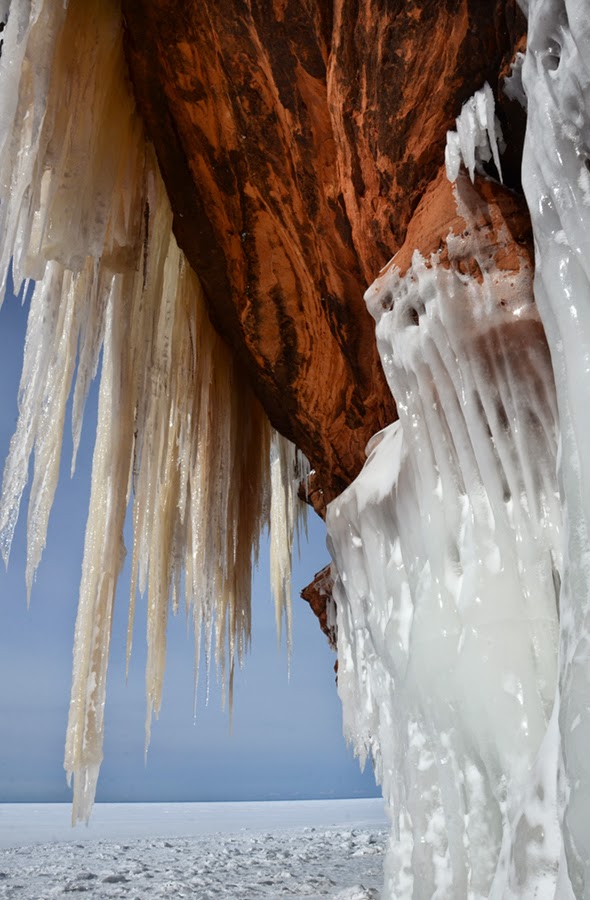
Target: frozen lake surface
<point x="311" y="849"/>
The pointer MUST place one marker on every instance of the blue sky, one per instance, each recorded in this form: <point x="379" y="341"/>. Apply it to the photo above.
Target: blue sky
<point x="286" y="739"/>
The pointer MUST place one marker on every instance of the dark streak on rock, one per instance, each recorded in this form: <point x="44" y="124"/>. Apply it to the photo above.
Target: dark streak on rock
<point x="260" y="148"/>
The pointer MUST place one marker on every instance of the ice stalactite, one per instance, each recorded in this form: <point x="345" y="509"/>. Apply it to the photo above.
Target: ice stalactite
<point x="478" y="137"/>
<point x="447" y="552"/>
<point x="556" y="180"/>
<point x="289" y="470"/>
<point x="180" y="435"/>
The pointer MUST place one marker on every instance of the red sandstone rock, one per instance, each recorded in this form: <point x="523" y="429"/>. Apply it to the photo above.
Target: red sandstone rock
<point x="317" y="594"/>
<point x="301" y="142"/>
<point x="500" y="215"/>
<point x="296" y="138"/>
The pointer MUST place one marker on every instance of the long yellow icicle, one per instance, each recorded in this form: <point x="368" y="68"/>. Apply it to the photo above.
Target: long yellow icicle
<point x="86" y="214"/>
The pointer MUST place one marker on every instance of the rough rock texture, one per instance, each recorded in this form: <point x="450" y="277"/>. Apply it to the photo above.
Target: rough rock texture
<point x="398" y="75"/>
<point x="301" y="142"/>
<point x="501" y="216"/>
<point x="317" y="594"/>
<point x="296" y="138"/>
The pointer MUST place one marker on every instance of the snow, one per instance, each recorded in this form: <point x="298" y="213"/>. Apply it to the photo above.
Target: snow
<point x="236" y="850"/>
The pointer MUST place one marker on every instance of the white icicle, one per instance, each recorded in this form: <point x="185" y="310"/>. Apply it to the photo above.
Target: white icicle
<point x="478" y="138"/>
<point x="288" y="469"/>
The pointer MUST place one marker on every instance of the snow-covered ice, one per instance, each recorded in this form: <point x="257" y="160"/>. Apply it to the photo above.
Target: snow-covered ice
<point x="306" y="849"/>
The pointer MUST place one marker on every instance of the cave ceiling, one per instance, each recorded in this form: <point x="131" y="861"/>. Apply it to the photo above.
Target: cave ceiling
<point x="296" y="139"/>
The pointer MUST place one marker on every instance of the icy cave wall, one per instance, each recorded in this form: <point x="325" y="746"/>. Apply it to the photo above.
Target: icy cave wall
<point x="462" y="548"/>
<point x="448" y="553"/>
<point x="556" y="179"/>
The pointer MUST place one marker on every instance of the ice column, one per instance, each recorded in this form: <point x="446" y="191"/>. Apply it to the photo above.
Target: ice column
<point x="180" y="436"/>
<point x="447" y="553"/>
<point x="556" y="179"/>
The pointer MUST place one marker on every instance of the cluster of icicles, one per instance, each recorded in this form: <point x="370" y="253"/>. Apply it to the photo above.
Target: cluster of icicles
<point x="447" y="647"/>
<point x="462" y="550"/>
<point x="84" y="214"/>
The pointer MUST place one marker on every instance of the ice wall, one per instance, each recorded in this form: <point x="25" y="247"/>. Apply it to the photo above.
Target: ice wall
<point x="180" y="436"/>
<point x="556" y="179"/>
<point x="463" y="612"/>
<point x="448" y="551"/>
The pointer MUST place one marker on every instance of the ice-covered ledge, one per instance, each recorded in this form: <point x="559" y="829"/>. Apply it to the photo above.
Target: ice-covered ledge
<point x="448" y="551"/>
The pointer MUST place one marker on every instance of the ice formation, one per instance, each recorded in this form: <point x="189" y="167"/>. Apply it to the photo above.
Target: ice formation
<point x="447" y="547"/>
<point x="462" y="554"/>
<point x="556" y="179"/>
<point x="180" y="436"/>
<point x="462" y="550"/>
<point x="478" y="137"/>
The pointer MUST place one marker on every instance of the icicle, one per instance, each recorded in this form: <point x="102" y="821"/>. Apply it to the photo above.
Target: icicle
<point x="288" y="468"/>
<point x="445" y="550"/>
<point x="84" y="211"/>
<point x="104" y="553"/>
<point x="477" y="137"/>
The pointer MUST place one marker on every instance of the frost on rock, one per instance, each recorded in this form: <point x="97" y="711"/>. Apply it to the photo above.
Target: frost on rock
<point x="478" y="138"/>
<point x="447" y="553"/>
<point x="180" y="436"/>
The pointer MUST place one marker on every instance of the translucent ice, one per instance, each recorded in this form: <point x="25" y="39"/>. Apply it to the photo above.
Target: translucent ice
<point x="556" y="179"/>
<point x="477" y="137"/>
<point x="447" y="550"/>
<point x="84" y="212"/>
<point x="464" y="620"/>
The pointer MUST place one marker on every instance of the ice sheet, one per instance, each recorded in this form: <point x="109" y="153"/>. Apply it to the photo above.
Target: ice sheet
<point x="312" y="849"/>
<point x="28" y="823"/>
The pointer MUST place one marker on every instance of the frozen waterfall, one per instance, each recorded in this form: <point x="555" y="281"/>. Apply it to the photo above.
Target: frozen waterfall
<point x="556" y="178"/>
<point x="461" y="551"/>
<point x="448" y="549"/>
